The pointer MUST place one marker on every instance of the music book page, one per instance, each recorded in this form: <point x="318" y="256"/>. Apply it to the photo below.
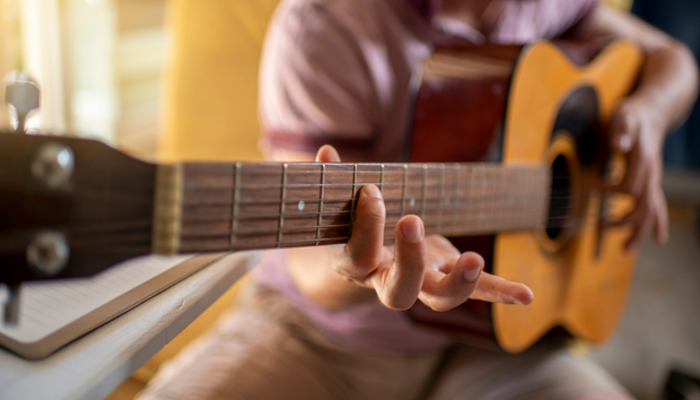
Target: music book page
<point x="54" y="313"/>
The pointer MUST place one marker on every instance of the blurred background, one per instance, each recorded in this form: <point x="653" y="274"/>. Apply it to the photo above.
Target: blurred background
<point x="177" y="80"/>
<point x="99" y="64"/>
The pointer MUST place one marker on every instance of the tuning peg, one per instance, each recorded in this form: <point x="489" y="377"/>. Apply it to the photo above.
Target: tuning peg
<point x="48" y="253"/>
<point x="23" y="95"/>
<point x="53" y="165"/>
<point x="11" y="312"/>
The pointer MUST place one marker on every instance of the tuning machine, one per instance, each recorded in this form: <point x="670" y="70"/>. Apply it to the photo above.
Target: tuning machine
<point x="22" y="93"/>
<point x="11" y="312"/>
<point x="53" y="166"/>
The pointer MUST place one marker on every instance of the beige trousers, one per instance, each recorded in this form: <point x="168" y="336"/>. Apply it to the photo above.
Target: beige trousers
<point x="266" y="349"/>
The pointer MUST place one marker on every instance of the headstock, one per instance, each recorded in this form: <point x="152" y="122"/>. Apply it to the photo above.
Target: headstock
<point x="70" y="207"/>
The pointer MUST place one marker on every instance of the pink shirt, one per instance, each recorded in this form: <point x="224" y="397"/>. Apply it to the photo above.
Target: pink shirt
<point x="337" y="72"/>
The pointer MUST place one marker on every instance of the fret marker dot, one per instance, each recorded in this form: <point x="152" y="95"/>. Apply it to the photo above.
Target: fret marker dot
<point x="413" y="202"/>
<point x="301" y="205"/>
<point x="447" y="200"/>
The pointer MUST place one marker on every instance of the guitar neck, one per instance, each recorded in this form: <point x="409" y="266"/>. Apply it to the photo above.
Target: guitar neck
<point x="226" y="207"/>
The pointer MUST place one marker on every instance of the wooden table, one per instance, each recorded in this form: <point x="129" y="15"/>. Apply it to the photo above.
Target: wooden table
<point x="94" y="365"/>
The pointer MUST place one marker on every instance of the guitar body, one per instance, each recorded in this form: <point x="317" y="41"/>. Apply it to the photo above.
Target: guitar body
<point x="533" y="105"/>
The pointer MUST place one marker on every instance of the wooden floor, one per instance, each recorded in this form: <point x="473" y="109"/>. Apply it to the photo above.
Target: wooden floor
<point x="661" y="326"/>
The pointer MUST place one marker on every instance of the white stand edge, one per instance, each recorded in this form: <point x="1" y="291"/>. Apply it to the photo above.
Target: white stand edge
<point x="94" y="365"/>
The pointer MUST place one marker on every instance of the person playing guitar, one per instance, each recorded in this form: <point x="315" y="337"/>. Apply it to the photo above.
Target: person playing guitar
<point x="324" y="322"/>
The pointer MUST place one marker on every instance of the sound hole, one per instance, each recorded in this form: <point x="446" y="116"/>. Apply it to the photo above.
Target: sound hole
<point x="560" y="197"/>
<point x="578" y="115"/>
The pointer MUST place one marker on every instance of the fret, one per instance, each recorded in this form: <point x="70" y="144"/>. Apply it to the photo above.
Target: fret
<point x="381" y="180"/>
<point x="530" y="209"/>
<point x="455" y="197"/>
<point x="537" y="187"/>
<point x="545" y="180"/>
<point x="546" y="187"/>
<point x="354" y="195"/>
<point x="424" y="191"/>
<point x="489" y="192"/>
<point x="489" y="200"/>
<point x="498" y="199"/>
<point x="236" y="204"/>
<point x="441" y="198"/>
<point x="282" y="204"/>
<point x="403" y="190"/>
<point x="470" y="197"/>
<point x="526" y="211"/>
<point x="481" y="181"/>
<point x="320" y="204"/>
<point x="511" y="208"/>
<point x="519" y="179"/>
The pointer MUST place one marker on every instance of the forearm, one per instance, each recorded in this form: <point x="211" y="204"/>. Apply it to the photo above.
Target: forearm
<point x="666" y="91"/>
<point x="310" y="269"/>
<point x="668" y="85"/>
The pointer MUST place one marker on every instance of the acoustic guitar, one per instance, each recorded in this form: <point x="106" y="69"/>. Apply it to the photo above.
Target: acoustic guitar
<point x="523" y="129"/>
<point x="545" y="104"/>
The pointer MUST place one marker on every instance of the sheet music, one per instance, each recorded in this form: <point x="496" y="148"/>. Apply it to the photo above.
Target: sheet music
<point x="47" y="307"/>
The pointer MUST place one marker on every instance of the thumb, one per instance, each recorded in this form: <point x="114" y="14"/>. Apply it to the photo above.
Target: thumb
<point x="623" y="131"/>
<point x="327" y="153"/>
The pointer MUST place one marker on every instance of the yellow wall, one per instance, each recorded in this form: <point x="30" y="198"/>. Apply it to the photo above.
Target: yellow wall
<point x="211" y="96"/>
<point x="210" y="113"/>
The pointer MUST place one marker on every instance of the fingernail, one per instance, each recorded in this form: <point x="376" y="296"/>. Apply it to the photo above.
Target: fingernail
<point x="472" y="274"/>
<point x="523" y="300"/>
<point x="625" y="142"/>
<point x="371" y="192"/>
<point x="412" y="230"/>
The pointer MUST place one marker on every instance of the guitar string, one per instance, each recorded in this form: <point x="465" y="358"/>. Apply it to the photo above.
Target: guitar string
<point x="349" y="168"/>
<point x="481" y="184"/>
<point x="483" y="198"/>
<point x="388" y="237"/>
<point x="92" y="242"/>
<point x="431" y="204"/>
<point x="311" y="241"/>
<point x="392" y="213"/>
<point x="475" y="201"/>
<point x="445" y="200"/>
<point x="429" y="184"/>
<point x="427" y="222"/>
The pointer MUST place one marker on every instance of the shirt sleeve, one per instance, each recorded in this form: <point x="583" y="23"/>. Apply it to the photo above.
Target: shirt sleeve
<point x="525" y="21"/>
<point x="315" y="87"/>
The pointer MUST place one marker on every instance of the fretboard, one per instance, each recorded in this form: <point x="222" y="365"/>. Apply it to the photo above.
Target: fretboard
<point x="225" y="207"/>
